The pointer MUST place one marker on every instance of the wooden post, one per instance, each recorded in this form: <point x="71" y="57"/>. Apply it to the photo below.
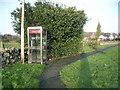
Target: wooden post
<point x="22" y="33"/>
<point x="41" y="45"/>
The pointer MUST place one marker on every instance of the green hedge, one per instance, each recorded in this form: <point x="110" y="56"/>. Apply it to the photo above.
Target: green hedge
<point x="64" y="26"/>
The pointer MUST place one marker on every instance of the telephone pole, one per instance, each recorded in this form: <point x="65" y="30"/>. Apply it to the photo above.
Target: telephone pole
<point x="22" y="33"/>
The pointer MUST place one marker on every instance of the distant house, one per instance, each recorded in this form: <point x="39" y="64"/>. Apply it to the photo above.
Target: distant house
<point x="102" y="37"/>
<point x="88" y="35"/>
<point x="119" y="36"/>
<point x="108" y="36"/>
<point x="85" y="39"/>
<point x="93" y="36"/>
<point x="111" y="37"/>
<point x="116" y="37"/>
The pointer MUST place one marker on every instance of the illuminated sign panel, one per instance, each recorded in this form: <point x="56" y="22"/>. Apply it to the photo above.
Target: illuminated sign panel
<point x="34" y="31"/>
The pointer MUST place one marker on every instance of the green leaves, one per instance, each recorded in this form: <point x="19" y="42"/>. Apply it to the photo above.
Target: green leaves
<point x="98" y="32"/>
<point x="64" y="25"/>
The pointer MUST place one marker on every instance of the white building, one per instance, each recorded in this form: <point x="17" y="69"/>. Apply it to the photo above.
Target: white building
<point x="111" y="37"/>
<point x="101" y="37"/>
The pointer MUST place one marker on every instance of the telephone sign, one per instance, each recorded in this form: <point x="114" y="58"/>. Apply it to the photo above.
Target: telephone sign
<point x="34" y="31"/>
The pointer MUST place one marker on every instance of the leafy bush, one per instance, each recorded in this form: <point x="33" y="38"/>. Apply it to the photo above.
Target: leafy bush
<point x="64" y="26"/>
<point x="92" y="43"/>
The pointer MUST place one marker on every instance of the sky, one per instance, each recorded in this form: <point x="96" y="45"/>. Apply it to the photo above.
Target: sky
<point x="104" y="11"/>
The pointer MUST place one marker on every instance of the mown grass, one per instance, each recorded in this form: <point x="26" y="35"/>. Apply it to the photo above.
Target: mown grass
<point x="11" y="45"/>
<point x="87" y="49"/>
<point x="21" y="75"/>
<point x="97" y="71"/>
<point x="0" y="78"/>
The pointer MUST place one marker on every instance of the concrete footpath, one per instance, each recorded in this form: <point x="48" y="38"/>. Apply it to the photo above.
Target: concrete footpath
<point x="51" y="78"/>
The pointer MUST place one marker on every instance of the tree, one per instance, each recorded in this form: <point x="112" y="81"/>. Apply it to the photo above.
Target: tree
<point x="98" y="32"/>
<point x="64" y="26"/>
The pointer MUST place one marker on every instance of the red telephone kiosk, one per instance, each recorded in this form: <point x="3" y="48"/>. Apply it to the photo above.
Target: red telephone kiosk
<point x="37" y="44"/>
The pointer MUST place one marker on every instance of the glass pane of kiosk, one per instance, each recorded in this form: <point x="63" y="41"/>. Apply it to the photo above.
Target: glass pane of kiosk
<point x="44" y="45"/>
<point x="34" y="47"/>
<point x="34" y="44"/>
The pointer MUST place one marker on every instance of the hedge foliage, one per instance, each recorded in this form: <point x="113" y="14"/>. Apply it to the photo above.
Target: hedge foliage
<point x="64" y="26"/>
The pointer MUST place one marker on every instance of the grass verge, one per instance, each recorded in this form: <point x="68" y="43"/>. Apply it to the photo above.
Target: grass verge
<point x="11" y="44"/>
<point x="21" y="75"/>
<point x="96" y="71"/>
<point x="87" y="49"/>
